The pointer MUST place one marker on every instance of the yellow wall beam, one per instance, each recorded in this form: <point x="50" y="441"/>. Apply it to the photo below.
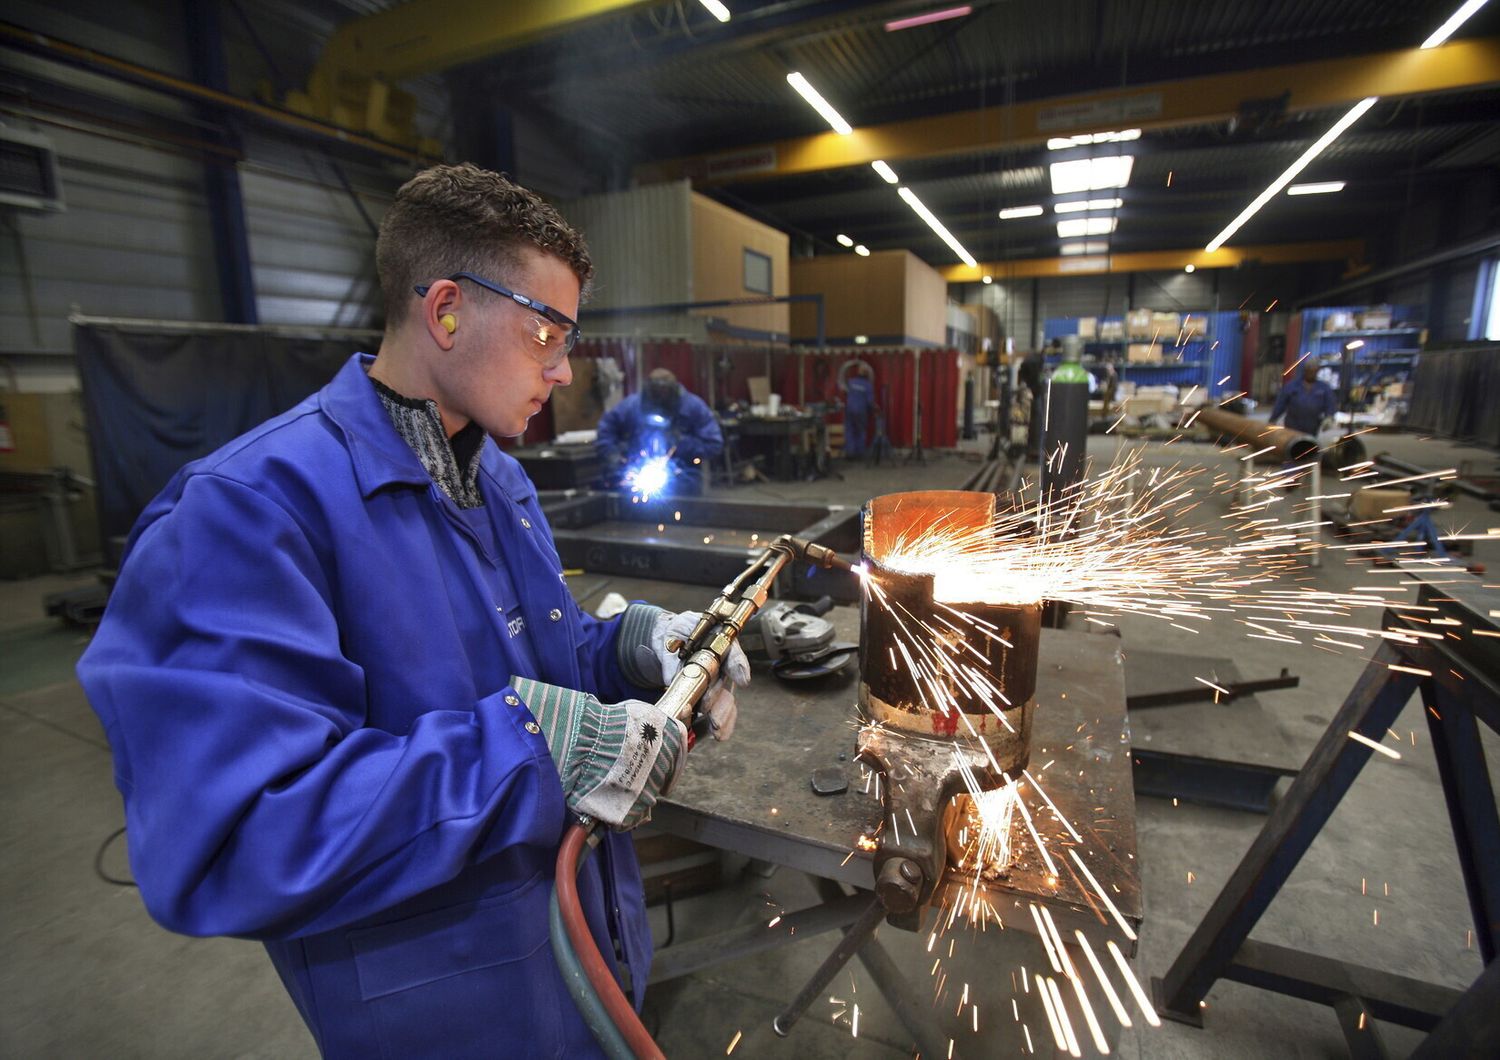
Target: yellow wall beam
<point x="1350" y="250"/>
<point x="1193" y="101"/>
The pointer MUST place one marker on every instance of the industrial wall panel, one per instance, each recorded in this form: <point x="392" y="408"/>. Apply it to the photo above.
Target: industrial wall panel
<point x="926" y="303"/>
<point x="1450" y="320"/>
<point x="862" y="296"/>
<point x="133" y="241"/>
<point x="641" y="244"/>
<point x="720" y="238"/>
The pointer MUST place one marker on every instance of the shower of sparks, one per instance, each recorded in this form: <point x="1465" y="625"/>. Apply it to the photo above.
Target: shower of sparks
<point x="1124" y="540"/>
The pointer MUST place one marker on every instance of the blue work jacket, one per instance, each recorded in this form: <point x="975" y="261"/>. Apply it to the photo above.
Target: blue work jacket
<point x="693" y="430"/>
<point x="304" y="676"/>
<point x="1305" y="406"/>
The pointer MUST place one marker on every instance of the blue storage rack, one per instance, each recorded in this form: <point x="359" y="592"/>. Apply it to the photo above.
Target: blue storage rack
<point x="1212" y="361"/>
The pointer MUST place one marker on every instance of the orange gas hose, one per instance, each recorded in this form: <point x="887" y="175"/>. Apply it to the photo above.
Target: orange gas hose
<point x="620" y="1010"/>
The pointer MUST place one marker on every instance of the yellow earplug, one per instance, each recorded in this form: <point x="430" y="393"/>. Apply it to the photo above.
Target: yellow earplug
<point x="449" y="322"/>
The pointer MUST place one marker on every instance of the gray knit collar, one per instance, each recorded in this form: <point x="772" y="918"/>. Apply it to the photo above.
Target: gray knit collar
<point x="453" y="464"/>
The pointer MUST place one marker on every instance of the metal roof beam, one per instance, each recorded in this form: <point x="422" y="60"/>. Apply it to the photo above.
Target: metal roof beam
<point x="1215" y="98"/>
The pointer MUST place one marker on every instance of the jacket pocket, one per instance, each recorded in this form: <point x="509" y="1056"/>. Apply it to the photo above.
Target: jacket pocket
<point x="472" y="980"/>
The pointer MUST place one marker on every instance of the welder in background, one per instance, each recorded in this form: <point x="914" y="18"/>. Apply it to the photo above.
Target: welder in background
<point x="1305" y="402"/>
<point x="858" y="386"/>
<point x="663" y="418"/>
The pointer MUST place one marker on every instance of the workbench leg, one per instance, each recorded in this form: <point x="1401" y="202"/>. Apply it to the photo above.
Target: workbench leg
<point x="893" y="985"/>
<point x="1315" y="556"/>
<point x="1369" y="709"/>
<point x="1471" y="806"/>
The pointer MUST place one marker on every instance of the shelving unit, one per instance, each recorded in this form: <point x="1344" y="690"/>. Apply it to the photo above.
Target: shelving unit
<point x="1385" y="355"/>
<point x="1204" y="361"/>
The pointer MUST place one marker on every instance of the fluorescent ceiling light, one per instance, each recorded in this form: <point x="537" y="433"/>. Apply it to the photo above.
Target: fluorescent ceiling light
<point x="861" y="340"/>
<point x="1087" y="226"/>
<point x="717" y="9"/>
<point x="1458" y="18"/>
<point x="1058" y="143"/>
<point x="1354" y="114"/>
<point x="1010" y="213"/>
<point x="1092" y="247"/>
<point x="937" y="226"/>
<point x="926" y="20"/>
<point x="844" y="241"/>
<point x="1189" y="267"/>
<point x="819" y="104"/>
<point x="1321" y="188"/>
<point x="886" y="172"/>
<point x="862" y="250"/>
<point x="1091" y="174"/>
<point x="1078" y="205"/>
<point x="988" y="278"/>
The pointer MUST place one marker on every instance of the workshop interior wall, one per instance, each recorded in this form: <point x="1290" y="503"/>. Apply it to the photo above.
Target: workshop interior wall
<point x="720" y="238"/>
<point x="861" y="296"/>
<point x="926" y="310"/>
<point x="642" y="245"/>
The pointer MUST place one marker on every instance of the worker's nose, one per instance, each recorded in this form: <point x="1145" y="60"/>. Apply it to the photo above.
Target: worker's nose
<point x="562" y="375"/>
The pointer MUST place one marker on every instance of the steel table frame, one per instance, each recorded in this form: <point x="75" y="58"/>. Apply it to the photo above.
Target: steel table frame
<point x="1464" y="689"/>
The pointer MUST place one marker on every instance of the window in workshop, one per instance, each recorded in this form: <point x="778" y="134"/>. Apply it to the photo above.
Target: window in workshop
<point x="757" y="271"/>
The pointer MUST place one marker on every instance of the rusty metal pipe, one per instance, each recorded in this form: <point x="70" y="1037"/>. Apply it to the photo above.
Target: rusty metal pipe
<point x="1289" y="445"/>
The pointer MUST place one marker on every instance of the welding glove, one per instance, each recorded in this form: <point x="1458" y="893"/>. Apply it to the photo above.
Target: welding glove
<point x="645" y="632"/>
<point x="614" y="759"/>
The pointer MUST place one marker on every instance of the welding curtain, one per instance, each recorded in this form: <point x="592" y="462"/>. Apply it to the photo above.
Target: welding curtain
<point x="155" y="400"/>
<point x="1454" y="394"/>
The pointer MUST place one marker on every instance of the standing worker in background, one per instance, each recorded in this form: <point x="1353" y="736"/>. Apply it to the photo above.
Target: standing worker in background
<point x="351" y="704"/>
<point x="663" y="419"/>
<point x="1305" y="402"/>
<point x="859" y="401"/>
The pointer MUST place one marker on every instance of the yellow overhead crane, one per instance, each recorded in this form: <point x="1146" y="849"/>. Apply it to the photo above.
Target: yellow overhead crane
<point x="353" y="84"/>
<point x="1312" y="86"/>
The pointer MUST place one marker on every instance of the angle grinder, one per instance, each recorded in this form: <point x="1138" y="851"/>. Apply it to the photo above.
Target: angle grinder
<point x="799" y="642"/>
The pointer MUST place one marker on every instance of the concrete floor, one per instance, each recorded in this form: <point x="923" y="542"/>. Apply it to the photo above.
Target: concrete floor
<point x="88" y="974"/>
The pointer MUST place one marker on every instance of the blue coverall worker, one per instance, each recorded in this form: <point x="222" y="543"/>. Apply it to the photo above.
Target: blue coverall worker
<point x="859" y="400"/>
<point x="663" y="418"/>
<point x="350" y="701"/>
<point x="1305" y="402"/>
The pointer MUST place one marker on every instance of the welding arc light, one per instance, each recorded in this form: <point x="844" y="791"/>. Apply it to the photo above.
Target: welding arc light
<point x="650" y="478"/>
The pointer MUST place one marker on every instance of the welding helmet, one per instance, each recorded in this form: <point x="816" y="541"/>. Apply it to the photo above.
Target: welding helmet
<point x="662" y="394"/>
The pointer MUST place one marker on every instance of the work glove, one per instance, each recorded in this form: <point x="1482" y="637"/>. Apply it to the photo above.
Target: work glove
<point x="645" y="633"/>
<point x="614" y="759"/>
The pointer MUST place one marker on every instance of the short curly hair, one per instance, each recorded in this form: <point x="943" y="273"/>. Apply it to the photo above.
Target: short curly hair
<point x="462" y="218"/>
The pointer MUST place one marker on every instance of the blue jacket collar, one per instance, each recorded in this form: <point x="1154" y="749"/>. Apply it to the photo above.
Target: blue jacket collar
<point x="381" y="457"/>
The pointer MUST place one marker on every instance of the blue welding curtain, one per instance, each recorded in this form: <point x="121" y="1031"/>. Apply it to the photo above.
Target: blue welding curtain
<point x="155" y="400"/>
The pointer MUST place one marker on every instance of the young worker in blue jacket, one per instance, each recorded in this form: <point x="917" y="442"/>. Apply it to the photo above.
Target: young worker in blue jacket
<point x="351" y="704"/>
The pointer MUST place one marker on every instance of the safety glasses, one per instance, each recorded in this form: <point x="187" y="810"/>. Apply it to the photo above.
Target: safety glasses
<point x="555" y="332"/>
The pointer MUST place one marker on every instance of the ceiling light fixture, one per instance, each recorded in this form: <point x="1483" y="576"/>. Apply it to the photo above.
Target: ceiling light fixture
<point x="988" y="278"/>
<point x="819" y="104"/>
<point x="886" y="172"/>
<point x="1010" y="213"/>
<point x="862" y="250"/>
<point x="1091" y="247"/>
<point x="926" y="20"/>
<point x="1189" y="267"/>
<point x="1354" y="114"/>
<point x="1079" y="205"/>
<point x="716" y="9"/>
<point x="1319" y="188"/>
<point x="844" y="241"/>
<point x="1091" y="174"/>
<point x="1087" y="226"/>
<point x="1059" y="143"/>
<point x="1458" y="18"/>
<point x="937" y="226"/>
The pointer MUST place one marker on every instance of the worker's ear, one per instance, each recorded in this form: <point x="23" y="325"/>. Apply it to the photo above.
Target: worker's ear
<point x="442" y="314"/>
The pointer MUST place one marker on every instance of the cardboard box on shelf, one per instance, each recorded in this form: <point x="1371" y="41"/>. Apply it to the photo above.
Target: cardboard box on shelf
<point x="1166" y="325"/>
<point x="1375" y="319"/>
<point x="1112" y="331"/>
<point x="1143" y="353"/>
<point x="1339" y="320"/>
<point x="1194" y="326"/>
<point x="1088" y="327"/>
<point x="1138" y="323"/>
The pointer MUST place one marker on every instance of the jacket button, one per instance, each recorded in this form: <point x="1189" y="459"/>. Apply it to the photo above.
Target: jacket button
<point x="526" y="522"/>
<point x="555" y="615"/>
<point x="533" y="728"/>
<point x="512" y="701"/>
